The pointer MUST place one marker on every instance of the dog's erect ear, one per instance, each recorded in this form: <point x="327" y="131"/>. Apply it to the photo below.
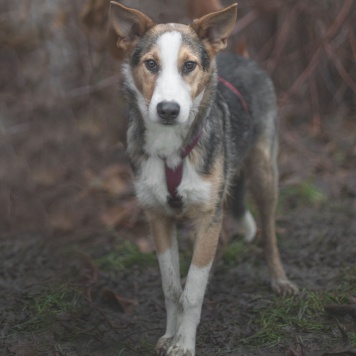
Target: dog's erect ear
<point x="214" y="28"/>
<point x="128" y="25"/>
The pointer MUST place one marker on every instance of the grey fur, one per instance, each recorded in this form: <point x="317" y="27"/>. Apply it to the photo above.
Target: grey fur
<point x="246" y="142"/>
<point x="229" y="131"/>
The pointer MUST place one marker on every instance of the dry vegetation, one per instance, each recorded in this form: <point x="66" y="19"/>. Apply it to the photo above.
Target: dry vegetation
<point x="71" y="285"/>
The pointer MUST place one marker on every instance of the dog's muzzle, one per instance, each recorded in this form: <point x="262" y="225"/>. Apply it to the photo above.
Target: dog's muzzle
<point x="168" y="111"/>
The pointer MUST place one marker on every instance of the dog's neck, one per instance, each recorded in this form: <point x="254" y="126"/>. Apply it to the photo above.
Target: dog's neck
<point x="165" y="142"/>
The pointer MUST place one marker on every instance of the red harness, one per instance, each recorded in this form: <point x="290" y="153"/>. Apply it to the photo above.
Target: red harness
<point x="174" y="176"/>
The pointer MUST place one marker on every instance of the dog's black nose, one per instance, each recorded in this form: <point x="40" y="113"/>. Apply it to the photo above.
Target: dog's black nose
<point x="168" y="111"/>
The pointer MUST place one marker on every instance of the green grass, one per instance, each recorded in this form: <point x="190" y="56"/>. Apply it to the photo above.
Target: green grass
<point x="63" y="299"/>
<point x="141" y="345"/>
<point x="234" y="251"/>
<point x="352" y="339"/>
<point x="46" y="306"/>
<point x="292" y="316"/>
<point x="303" y="314"/>
<point x="304" y="193"/>
<point x="124" y="256"/>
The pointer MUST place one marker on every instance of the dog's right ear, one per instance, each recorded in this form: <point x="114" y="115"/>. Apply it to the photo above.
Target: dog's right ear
<point x="127" y="26"/>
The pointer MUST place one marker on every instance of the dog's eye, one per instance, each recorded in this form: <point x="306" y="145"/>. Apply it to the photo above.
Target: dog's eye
<point x="189" y="66"/>
<point x="151" y="65"/>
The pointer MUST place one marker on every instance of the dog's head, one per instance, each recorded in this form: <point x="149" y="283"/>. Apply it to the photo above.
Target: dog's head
<point x="169" y="65"/>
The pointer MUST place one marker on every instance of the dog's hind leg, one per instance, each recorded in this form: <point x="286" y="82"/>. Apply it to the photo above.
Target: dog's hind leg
<point x="164" y="236"/>
<point x="263" y="175"/>
<point x="238" y="219"/>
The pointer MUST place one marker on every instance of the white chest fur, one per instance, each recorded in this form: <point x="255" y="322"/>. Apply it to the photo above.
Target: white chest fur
<point x="151" y="186"/>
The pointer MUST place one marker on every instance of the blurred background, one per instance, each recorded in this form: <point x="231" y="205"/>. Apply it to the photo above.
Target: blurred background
<point x="76" y="274"/>
<point x="63" y="118"/>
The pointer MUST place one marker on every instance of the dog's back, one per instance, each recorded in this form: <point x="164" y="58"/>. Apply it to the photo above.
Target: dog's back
<point x="256" y="90"/>
<point x="253" y="82"/>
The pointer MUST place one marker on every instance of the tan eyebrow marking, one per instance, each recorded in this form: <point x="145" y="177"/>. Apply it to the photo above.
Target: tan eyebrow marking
<point x="186" y="55"/>
<point x="146" y="83"/>
<point x="153" y="54"/>
<point x="198" y="78"/>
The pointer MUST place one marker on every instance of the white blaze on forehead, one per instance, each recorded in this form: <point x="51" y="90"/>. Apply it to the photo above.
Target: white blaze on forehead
<point x="170" y="85"/>
<point x="169" y="45"/>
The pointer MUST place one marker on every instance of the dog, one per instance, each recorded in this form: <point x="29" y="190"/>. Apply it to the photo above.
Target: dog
<point x="199" y="126"/>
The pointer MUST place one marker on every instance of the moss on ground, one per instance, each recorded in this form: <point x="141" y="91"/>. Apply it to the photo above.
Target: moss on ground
<point x="300" y="194"/>
<point x="301" y="315"/>
<point x="125" y="256"/>
<point x="51" y="304"/>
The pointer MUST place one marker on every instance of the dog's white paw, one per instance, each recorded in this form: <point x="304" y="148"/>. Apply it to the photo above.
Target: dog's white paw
<point x="284" y="287"/>
<point x="179" y="350"/>
<point x="162" y="346"/>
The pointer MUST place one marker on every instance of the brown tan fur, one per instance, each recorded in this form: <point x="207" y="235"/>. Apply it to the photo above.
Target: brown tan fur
<point x="265" y="193"/>
<point x="207" y="237"/>
<point x="145" y="80"/>
<point x="162" y="229"/>
<point x="207" y="221"/>
<point x="125" y="43"/>
<point x="198" y="79"/>
<point x="214" y="41"/>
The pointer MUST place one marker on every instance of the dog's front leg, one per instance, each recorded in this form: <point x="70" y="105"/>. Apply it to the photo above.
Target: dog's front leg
<point x="164" y="236"/>
<point x="208" y="229"/>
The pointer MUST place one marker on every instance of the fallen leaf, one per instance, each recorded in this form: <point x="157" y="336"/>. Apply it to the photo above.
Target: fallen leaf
<point x="298" y="351"/>
<point x="125" y="305"/>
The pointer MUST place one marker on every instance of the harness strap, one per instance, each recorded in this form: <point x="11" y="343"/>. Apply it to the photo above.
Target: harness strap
<point x="235" y="91"/>
<point x="174" y="176"/>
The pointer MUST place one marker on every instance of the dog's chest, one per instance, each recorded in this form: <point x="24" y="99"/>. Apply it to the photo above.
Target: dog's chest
<point x="151" y="185"/>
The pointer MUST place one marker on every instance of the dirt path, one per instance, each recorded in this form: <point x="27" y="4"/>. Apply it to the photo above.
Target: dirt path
<point x="99" y="295"/>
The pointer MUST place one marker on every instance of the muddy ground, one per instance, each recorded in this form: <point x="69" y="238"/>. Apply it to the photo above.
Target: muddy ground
<point x="74" y="285"/>
<point x="65" y="296"/>
<point x="78" y="275"/>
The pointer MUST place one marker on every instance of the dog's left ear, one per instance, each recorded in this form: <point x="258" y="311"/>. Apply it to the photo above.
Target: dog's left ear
<point x="129" y="25"/>
<point x="214" y="28"/>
